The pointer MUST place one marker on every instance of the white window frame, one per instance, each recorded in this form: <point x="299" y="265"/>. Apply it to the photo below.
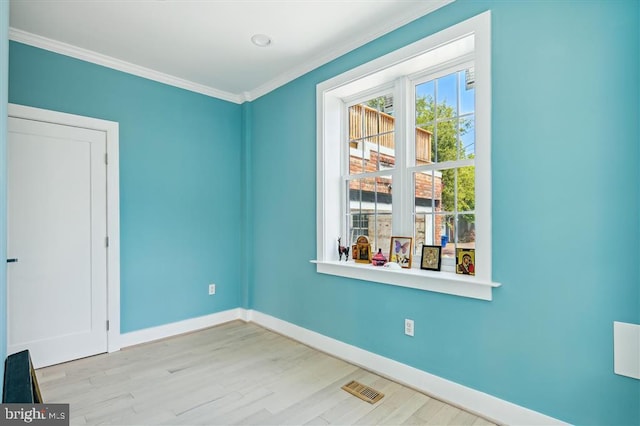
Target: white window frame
<point x="399" y="67"/>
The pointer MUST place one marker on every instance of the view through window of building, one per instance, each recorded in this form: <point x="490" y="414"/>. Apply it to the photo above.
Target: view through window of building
<point x="371" y="145"/>
<point x="441" y="167"/>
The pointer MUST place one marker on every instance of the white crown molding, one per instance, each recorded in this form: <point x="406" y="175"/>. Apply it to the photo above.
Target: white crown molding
<point x="424" y="8"/>
<point x="117" y="64"/>
<point x="246" y="96"/>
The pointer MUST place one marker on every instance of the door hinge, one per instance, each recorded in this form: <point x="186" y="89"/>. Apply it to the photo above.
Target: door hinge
<point x="106" y="241"/>
<point x="107" y="325"/>
<point x="106" y="159"/>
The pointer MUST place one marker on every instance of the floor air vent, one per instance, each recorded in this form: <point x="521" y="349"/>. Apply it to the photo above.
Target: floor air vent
<point x="363" y="392"/>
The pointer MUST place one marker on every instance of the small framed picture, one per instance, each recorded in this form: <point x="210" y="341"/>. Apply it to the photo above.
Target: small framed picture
<point x="431" y="258"/>
<point x="465" y="261"/>
<point x="364" y="253"/>
<point x="401" y="251"/>
<point x="362" y="250"/>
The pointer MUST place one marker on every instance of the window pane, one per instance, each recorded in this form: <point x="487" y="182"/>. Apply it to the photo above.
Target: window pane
<point x="466" y="231"/>
<point x="383" y="153"/>
<point x="447" y="96"/>
<point x="445" y="122"/>
<point x="359" y="224"/>
<point x="467" y="91"/>
<point x="357" y="147"/>
<point x="372" y="135"/>
<point x="425" y="118"/>
<point x="461" y="233"/>
<point x="370" y="210"/>
<point x="446" y="141"/>
<point x="382" y="238"/>
<point x="445" y="234"/>
<point x="424" y="138"/>
<point x="467" y="126"/>
<point x="423" y="228"/>
<point x="466" y="189"/>
<point x="427" y="200"/>
<point x="425" y="91"/>
<point x="424" y="144"/>
<point x="448" y="184"/>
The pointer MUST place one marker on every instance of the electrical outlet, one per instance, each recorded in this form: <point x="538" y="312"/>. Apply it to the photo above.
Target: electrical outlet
<point x="212" y="289"/>
<point x="408" y="327"/>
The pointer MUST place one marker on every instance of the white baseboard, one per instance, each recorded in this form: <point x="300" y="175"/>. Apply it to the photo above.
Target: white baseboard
<point x="479" y="403"/>
<point x="180" y="327"/>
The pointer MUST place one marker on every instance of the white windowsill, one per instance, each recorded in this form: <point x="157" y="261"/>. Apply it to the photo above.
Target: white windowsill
<point x="440" y="282"/>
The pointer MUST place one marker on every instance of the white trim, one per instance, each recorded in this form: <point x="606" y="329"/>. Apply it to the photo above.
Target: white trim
<point x="175" y="328"/>
<point x="97" y="58"/>
<point x="421" y="54"/>
<point x="111" y="130"/>
<point x="439" y="282"/>
<point x="482" y="28"/>
<point x="480" y="403"/>
<point x="117" y="64"/>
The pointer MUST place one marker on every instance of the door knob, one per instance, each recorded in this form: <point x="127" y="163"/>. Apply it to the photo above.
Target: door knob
<point x="14" y="260"/>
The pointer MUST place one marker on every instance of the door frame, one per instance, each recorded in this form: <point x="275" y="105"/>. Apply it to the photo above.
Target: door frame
<point x="111" y="130"/>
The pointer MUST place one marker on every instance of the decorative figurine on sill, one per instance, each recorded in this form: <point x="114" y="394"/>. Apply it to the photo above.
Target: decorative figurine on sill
<point x="361" y="252"/>
<point x="379" y="259"/>
<point x="343" y="250"/>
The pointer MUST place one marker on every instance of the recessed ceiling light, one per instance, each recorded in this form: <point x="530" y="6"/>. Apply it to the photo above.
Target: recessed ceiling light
<point x="261" y="40"/>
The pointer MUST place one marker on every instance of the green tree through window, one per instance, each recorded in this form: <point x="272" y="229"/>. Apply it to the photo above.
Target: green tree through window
<point x="447" y="130"/>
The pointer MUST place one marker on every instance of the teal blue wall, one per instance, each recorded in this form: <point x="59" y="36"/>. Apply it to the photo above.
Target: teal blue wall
<point x="565" y="216"/>
<point x="4" y="64"/>
<point x="180" y="173"/>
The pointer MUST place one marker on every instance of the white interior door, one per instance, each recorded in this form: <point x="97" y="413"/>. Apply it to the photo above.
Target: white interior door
<point x="56" y="214"/>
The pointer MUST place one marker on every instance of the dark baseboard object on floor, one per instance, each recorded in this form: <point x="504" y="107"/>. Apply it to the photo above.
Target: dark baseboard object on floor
<point x="20" y="383"/>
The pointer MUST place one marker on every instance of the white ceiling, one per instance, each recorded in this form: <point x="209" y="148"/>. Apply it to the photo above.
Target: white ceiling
<point x="205" y="46"/>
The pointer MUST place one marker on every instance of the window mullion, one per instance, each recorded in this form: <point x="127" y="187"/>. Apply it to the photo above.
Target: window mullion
<point x="380" y="173"/>
<point x="402" y="207"/>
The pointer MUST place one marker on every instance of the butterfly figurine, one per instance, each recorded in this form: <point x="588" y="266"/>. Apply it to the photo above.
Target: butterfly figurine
<point x="402" y="247"/>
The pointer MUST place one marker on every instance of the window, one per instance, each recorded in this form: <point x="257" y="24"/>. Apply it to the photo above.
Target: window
<point x="370" y="147"/>
<point x="443" y="168"/>
<point x="404" y="150"/>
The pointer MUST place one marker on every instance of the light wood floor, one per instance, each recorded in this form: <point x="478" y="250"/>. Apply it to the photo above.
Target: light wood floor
<point x="235" y="373"/>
